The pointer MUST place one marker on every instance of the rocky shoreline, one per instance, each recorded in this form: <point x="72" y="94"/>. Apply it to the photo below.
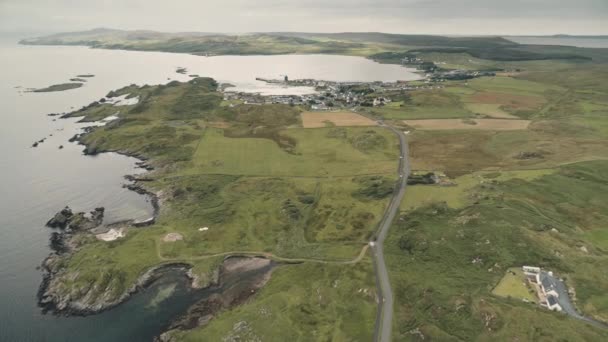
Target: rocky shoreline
<point x="242" y="276"/>
<point x="62" y="306"/>
<point x="75" y="228"/>
<point x="67" y="241"/>
<point x="235" y="291"/>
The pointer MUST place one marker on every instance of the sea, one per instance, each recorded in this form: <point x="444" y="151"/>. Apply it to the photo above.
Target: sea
<point x="37" y="182"/>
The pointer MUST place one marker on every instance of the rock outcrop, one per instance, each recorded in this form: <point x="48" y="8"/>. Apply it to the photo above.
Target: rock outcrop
<point x="67" y="220"/>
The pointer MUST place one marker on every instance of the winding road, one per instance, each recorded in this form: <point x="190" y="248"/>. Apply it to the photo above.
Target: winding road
<point x="384" y="317"/>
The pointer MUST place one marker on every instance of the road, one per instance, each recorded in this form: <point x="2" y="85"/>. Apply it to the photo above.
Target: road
<point x="384" y="317"/>
<point x="267" y="255"/>
<point x="567" y="307"/>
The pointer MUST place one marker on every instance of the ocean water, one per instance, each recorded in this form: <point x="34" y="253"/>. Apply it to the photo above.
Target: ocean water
<point x="37" y="182"/>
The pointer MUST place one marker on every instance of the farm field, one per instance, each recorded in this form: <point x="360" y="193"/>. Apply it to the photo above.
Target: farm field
<point x="468" y="124"/>
<point x="540" y="146"/>
<point x="325" y="119"/>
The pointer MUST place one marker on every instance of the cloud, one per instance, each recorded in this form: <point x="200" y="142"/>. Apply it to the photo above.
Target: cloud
<point x="405" y="16"/>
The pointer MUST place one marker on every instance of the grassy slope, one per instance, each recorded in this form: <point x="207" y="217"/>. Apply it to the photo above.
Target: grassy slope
<point x="441" y="291"/>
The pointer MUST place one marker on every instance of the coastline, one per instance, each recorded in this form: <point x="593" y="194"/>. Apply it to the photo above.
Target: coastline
<point x="47" y="298"/>
<point x="49" y="301"/>
<point x="200" y="312"/>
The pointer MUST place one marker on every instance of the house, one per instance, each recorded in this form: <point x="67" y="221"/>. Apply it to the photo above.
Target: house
<point x="547" y="284"/>
<point x="552" y="304"/>
<point x="531" y="269"/>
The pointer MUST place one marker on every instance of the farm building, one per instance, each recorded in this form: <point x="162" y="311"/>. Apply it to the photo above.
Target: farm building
<point x="546" y="287"/>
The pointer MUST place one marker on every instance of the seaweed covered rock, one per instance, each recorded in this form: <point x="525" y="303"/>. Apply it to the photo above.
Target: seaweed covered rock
<point x="61" y="219"/>
<point x="66" y="219"/>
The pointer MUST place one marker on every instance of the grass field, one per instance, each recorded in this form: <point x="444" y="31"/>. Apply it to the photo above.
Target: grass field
<point x="317" y="153"/>
<point x="462" y="193"/>
<point x="513" y="285"/>
<point x="340" y="119"/>
<point x="425" y="104"/>
<point x="493" y="110"/>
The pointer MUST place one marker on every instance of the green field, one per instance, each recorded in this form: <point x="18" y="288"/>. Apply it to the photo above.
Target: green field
<point x="425" y="104"/>
<point x="462" y="191"/>
<point x="513" y="285"/>
<point x="318" y="153"/>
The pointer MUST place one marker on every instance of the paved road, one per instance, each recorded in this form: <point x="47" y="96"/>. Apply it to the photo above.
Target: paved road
<point x="384" y="317"/>
<point x="567" y="307"/>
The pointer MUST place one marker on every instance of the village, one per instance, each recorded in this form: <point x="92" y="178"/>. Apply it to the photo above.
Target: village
<point x="330" y="95"/>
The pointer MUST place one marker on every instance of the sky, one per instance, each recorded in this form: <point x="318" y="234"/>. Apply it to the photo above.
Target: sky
<point x="450" y="17"/>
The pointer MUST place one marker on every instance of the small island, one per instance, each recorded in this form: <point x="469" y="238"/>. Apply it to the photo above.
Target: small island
<point x="58" y="87"/>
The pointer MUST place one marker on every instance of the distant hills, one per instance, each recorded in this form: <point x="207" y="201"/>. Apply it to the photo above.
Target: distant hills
<point x="563" y="36"/>
<point x="375" y="45"/>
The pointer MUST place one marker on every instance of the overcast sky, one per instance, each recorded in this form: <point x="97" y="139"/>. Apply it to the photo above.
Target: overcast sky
<point x="472" y="17"/>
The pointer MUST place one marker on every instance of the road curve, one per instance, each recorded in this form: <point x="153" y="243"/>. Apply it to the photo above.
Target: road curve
<point x="384" y="317"/>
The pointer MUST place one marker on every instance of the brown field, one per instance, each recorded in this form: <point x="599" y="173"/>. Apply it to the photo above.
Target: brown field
<point x="476" y="124"/>
<point x="324" y="119"/>
<point x="515" y="101"/>
<point x="457" y="153"/>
